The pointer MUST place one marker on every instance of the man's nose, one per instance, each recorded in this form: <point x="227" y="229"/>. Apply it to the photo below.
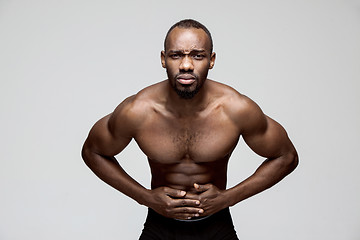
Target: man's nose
<point x="186" y="64"/>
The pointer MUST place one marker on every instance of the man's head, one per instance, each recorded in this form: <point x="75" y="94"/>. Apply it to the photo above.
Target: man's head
<point x="187" y="56"/>
<point x="186" y="24"/>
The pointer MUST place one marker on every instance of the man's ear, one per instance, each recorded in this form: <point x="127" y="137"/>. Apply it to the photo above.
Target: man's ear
<point x="212" y="60"/>
<point x="163" y="59"/>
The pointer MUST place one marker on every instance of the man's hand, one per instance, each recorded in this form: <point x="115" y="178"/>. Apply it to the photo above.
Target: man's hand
<point x="171" y="203"/>
<point x="211" y="198"/>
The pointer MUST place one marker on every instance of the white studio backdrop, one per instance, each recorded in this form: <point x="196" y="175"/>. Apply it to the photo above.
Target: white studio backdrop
<point x="65" y="64"/>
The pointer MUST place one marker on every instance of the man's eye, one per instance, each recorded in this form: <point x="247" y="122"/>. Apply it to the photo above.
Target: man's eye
<point x="175" y="56"/>
<point x="199" y="56"/>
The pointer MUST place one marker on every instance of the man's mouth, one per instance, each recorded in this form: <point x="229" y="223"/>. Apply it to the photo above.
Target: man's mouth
<point x="185" y="79"/>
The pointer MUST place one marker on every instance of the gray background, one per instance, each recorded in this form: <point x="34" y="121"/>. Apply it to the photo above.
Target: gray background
<point x="65" y="64"/>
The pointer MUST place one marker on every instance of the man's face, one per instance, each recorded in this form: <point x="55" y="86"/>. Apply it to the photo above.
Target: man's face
<point x="187" y="60"/>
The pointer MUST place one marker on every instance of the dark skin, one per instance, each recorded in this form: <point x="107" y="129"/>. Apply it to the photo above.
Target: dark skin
<point x="188" y="141"/>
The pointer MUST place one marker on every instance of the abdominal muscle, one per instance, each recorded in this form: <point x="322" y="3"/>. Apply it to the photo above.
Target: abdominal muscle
<point x="183" y="174"/>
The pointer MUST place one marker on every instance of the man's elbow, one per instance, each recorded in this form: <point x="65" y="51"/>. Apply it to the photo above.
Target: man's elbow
<point x="86" y="154"/>
<point x="292" y="161"/>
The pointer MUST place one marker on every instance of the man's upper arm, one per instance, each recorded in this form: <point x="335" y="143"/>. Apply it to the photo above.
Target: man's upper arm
<point x="111" y="134"/>
<point x="263" y="135"/>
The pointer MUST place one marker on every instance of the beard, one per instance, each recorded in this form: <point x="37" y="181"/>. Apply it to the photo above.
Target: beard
<point x="186" y="92"/>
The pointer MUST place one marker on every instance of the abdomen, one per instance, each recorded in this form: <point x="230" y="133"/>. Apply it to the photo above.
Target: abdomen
<point x="183" y="174"/>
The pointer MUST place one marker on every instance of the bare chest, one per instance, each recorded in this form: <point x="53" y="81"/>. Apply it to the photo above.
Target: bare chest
<point x="201" y="140"/>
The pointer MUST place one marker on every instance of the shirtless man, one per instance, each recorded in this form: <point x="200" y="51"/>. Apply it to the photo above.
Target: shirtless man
<point x="188" y="126"/>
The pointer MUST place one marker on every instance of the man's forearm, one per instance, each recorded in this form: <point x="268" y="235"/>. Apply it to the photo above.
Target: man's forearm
<point x="109" y="170"/>
<point x="164" y="200"/>
<point x="270" y="172"/>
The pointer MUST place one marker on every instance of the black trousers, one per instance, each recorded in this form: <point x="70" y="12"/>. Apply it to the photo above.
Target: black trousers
<point x="218" y="226"/>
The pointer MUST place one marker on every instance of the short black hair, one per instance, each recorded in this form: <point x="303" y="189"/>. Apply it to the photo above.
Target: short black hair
<point x="190" y="23"/>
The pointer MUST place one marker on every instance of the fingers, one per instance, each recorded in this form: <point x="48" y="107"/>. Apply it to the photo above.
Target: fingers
<point x="174" y="192"/>
<point x="202" y="188"/>
<point x="177" y="201"/>
<point x="186" y="202"/>
<point x="182" y="208"/>
<point x="173" y="204"/>
<point x="187" y="212"/>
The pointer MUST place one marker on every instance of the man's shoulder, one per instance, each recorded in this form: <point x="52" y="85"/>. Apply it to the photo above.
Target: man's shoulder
<point x="229" y="96"/>
<point x="141" y="104"/>
<point x="239" y="107"/>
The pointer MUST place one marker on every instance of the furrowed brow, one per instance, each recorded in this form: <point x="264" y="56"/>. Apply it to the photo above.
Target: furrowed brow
<point x="192" y="51"/>
<point x="175" y="51"/>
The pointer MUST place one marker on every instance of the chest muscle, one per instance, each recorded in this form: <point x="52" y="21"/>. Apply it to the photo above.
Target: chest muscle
<point x="170" y="141"/>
